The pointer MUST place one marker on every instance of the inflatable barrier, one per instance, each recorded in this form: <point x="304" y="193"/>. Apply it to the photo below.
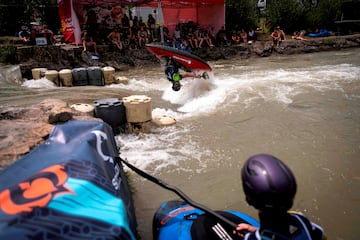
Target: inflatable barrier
<point x="70" y="187"/>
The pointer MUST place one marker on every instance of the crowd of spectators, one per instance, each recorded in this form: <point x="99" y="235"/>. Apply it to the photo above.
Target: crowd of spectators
<point x="36" y="34"/>
<point x="135" y="33"/>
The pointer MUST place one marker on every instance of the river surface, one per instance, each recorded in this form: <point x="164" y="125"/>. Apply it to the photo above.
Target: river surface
<point x="304" y="109"/>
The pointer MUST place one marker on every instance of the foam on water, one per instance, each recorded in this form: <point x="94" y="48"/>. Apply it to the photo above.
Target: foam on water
<point x="243" y="87"/>
<point x="161" y="149"/>
<point x="39" y="83"/>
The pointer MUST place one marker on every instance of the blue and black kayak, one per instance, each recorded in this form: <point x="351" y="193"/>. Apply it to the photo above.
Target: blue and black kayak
<point x="321" y="33"/>
<point x="70" y="187"/>
<point x="178" y="220"/>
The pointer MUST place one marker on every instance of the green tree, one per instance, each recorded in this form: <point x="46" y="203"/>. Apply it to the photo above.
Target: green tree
<point x="241" y="14"/>
<point x="288" y="14"/>
<point x="324" y="14"/>
<point x="14" y="13"/>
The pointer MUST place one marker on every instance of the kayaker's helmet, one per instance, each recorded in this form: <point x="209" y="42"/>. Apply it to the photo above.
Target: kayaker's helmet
<point x="268" y="183"/>
<point x="176" y="86"/>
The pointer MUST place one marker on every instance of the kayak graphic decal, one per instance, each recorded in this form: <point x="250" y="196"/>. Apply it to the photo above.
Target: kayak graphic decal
<point x="37" y="191"/>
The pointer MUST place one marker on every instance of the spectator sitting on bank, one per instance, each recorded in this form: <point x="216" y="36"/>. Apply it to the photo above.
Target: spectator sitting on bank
<point x="221" y="37"/>
<point x="251" y="35"/>
<point x="115" y="38"/>
<point x="275" y="36"/>
<point x="281" y="33"/>
<point x="192" y="38"/>
<point x="212" y="34"/>
<point x="184" y="45"/>
<point x="244" y="36"/>
<point x="129" y="38"/>
<point x="25" y="35"/>
<point x="48" y="34"/>
<point x="299" y="35"/>
<point x="235" y="38"/>
<point x="204" y="36"/>
<point x="143" y="36"/>
<point x="87" y="41"/>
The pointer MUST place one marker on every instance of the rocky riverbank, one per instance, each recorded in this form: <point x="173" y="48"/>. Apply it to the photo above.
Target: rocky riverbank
<point x="22" y="129"/>
<point x="71" y="56"/>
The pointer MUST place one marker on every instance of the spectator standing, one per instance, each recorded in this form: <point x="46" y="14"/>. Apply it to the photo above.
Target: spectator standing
<point x="251" y="35"/>
<point x="177" y="36"/>
<point x="125" y="21"/>
<point x="135" y="26"/>
<point x="24" y="34"/>
<point x="151" y="26"/>
<point x="48" y="34"/>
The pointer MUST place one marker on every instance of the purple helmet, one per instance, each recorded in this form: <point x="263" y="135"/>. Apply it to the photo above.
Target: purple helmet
<point x="268" y="183"/>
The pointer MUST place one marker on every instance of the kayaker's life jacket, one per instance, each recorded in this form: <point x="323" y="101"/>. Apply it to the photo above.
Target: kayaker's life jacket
<point x="300" y="228"/>
<point x="171" y="72"/>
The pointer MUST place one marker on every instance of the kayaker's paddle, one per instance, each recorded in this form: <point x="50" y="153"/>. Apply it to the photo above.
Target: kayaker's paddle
<point x="179" y="193"/>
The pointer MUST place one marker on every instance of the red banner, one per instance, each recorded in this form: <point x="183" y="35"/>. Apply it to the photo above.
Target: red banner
<point x="67" y="27"/>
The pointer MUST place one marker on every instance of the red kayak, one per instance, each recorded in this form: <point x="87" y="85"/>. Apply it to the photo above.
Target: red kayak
<point x="185" y="59"/>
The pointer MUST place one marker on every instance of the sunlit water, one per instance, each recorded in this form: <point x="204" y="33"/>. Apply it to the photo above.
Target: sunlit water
<point x="305" y="109"/>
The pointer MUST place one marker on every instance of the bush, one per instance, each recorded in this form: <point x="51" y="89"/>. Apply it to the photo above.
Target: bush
<point x="8" y="54"/>
<point x="240" y="14"/>
<point x="288" y="14"/>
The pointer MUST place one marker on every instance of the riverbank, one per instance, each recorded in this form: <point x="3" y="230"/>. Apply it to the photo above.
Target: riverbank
<point x="64" y="56"/>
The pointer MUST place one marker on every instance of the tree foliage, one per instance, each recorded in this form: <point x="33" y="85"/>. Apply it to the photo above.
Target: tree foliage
<point x="14" y="13"/>
<point x="324" y="14"/>
<point x="241" y="14"/>
<point x="289" y="14"/>
<point x="294" y="15"/>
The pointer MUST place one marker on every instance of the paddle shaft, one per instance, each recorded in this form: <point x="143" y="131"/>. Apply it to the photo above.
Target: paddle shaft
<point x="179" y="193"/>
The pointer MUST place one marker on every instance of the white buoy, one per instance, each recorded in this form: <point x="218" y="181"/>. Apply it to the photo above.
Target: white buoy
<point x="84" y="108"/>
<point x="163" y="120"/>
<point x="122" y="80"/>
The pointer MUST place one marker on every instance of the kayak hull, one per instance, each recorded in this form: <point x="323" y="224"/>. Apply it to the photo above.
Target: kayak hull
<point x="188" y="61"/>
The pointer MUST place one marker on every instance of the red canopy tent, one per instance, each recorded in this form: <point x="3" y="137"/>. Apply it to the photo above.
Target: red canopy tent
<point x="206" y="13"/>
